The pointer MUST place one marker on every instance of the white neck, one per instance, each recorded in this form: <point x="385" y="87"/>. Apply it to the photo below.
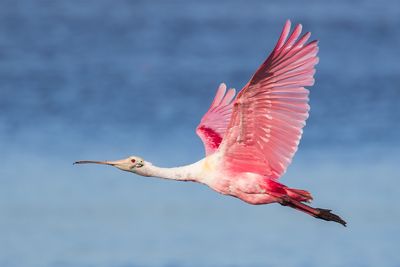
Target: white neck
<point x="185" y="173"/>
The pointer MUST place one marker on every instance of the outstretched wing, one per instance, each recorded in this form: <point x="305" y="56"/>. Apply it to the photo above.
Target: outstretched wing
<point x="214" y="123"/>
<point x="270" y="111"/>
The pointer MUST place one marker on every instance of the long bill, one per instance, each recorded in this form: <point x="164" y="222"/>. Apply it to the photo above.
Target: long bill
<point x="112" y="163"/>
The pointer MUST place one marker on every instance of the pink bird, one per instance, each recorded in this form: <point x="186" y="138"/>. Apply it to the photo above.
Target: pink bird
<point x="250" y="139"/>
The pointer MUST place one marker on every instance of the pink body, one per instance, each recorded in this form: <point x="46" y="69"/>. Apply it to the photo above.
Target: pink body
<point x="250" y="187"/>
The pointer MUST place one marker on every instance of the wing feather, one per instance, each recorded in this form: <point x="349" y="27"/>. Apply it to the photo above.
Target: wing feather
<point x="270" y="112"/>
<point x="214" y="123"/>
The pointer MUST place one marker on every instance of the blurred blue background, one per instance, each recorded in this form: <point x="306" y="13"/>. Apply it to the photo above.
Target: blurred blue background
<point x="106" y="79"/>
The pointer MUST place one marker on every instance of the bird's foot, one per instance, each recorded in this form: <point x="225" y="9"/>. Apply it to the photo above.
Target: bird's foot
<point x="327" y="215"/>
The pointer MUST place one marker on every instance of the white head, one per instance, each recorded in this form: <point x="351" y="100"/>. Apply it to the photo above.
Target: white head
<point x="131" y="164"/>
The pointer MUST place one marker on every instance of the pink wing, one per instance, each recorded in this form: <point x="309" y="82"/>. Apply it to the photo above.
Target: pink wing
<point x="214" y="123"/>
<point x="270" y="111"/>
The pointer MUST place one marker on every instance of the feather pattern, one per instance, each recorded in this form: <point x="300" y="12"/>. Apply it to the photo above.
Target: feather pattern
<point x="270" y="111"/>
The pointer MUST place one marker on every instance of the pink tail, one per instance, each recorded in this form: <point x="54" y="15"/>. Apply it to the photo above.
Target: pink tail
<point x="278" y="189"/>
<point x="299" y="195"/>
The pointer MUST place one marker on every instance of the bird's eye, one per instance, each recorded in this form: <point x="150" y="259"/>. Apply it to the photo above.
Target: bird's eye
<point x="133" y="160"/>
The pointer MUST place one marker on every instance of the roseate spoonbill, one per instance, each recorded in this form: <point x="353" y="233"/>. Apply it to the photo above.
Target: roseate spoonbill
<point x="250" y="139"/>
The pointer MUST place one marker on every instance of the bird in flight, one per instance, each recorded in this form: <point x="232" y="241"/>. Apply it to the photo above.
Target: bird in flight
<point x="250" y="138"/>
